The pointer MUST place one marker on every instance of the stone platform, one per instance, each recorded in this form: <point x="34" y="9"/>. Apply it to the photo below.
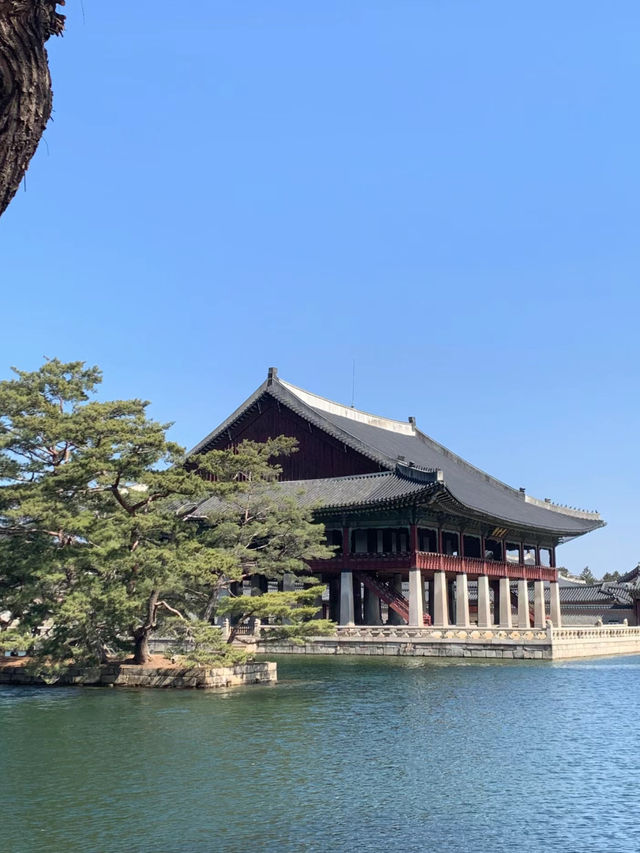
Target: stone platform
<point x="128" y="675"/>
<point x="492" y="643"/>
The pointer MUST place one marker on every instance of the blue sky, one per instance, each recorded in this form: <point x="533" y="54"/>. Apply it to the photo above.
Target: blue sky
<point x="446" y="192"/>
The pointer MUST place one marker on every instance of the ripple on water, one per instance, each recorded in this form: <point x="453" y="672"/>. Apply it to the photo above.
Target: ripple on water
<point x="345" y="754"/>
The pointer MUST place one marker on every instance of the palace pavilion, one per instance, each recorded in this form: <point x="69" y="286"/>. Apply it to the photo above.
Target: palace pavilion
<point x="400" y="507"/>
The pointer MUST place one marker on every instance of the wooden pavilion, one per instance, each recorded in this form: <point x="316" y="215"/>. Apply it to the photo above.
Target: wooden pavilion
<point x="399" y="506"/>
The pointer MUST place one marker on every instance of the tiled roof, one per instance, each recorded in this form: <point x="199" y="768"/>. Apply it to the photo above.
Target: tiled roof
<point x="384" y="441"/>
<point x="632" y="578"/>
<point x="358" y="490"/>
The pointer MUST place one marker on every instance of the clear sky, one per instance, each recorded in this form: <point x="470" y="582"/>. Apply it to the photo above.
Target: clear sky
<point x="446" y="191"/>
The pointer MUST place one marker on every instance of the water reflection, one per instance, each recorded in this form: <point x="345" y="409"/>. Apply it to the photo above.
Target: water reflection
<point x="345" y="754"/>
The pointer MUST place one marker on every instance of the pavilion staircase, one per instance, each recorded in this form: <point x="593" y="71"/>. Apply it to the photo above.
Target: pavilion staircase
<point x="395" y="600"/>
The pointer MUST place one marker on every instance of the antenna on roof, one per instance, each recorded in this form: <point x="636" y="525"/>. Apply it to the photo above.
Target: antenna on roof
<point x="353" y="384"/>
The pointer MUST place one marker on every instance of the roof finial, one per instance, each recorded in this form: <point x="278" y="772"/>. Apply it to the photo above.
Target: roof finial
<point x="412" y="420"/>
<point x="272" y="374"/>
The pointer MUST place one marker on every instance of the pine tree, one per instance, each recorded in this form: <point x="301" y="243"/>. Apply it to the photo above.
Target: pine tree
<point x="100" y="539"/>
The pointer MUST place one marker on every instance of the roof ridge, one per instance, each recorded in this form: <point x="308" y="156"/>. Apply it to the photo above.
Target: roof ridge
<point x="316" y="401"/>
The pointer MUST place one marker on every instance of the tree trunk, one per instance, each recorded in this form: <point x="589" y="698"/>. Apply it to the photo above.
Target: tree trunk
<point x="211" y="604"/>
<point x="141" y="652"/>
<point x="25" y="85"/>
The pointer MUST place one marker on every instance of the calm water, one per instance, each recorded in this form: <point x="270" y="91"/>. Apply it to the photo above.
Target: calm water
<point x="343" y="755"/>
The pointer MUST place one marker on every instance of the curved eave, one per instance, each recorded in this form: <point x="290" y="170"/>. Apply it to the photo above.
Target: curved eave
<point x="448" y="500"/>
<point x="439" y="496"/>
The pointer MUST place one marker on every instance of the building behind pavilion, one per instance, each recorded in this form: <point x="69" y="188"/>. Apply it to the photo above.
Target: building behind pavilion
<point x="399" y="507"/>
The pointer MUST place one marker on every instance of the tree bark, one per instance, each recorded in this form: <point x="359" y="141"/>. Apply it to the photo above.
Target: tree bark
<point x="141" y="653"/>
<point x="25" y="85"/>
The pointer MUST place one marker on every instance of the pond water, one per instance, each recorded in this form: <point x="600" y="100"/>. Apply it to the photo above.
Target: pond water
<point x="344" y="754"/>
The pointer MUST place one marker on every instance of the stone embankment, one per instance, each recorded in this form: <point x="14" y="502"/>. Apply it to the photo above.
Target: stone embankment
<point x="491" y="643"/>
<point x="153" y="675"/>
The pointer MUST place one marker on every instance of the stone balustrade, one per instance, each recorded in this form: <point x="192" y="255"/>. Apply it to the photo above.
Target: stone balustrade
<point x="453" y="633"/>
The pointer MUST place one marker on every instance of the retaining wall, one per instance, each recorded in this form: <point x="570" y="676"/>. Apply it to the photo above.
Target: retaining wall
<point x="119" y="675"/>
<point x="523" y="644"/>
<point x="602" y="641"/>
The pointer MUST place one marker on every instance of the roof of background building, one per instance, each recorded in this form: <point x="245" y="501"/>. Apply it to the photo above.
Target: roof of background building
<point x="387" y="442"/>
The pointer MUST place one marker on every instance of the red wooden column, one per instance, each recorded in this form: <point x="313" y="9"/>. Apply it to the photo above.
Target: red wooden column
<point x="345" y="542"/>
<point x="413" y="540"/>
<point x="521" y="552"/>
<point x="461" y="543"/>
<point x="439" y="540"/>
<point x="553" y="557"/>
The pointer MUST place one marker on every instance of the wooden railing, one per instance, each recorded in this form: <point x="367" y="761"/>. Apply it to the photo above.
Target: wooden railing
<point x="428" y="561"/>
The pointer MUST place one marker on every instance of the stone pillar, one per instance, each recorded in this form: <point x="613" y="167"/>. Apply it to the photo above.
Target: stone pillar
<point x="554" y="597"/>
<point x="484" y="603"/>
<point x="524" y="620"/>
<point x="441" y="619"/>
<point x="494" y="586"/>
<point x="505" y="603"/>
<point x="539" y="617"/>
<point x="415" y="599"/>
<point x="451" y="599"/>
<point x="347" y="610"/>
<point x="394" y="618"/>
<point x="430" y="598"/>
<point x="371" y="608"/>
<point x="357" y="602"/>
<point x="462" y="601"/>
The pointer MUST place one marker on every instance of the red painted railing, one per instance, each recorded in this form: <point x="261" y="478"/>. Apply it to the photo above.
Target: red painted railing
<point x="431" y="562"/>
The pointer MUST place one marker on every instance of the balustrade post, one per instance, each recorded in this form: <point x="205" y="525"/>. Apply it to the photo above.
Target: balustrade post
<point x="539" y="617"/>
<point x="484" y="603"/>
<point x="505" y="603"/>
<point x="462" y="601"/>
<point x="441" y="614"/>
<point x="554" y="597"/>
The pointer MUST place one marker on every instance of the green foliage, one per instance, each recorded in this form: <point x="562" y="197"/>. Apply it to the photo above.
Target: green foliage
<point x="100" y="540"/>
<point x="291" y="614"/>
<point x="587" y="575"/>
<point x="611" y="576"/>
<point x="14" y="640"/>
<point x="202" y="644"/>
